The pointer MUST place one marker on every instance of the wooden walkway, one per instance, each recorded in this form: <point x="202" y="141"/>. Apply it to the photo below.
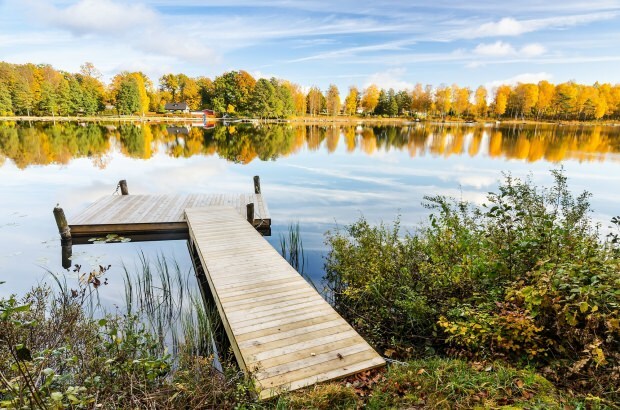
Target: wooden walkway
<point x="283" y="333"/>
<point x="157" y="214"/>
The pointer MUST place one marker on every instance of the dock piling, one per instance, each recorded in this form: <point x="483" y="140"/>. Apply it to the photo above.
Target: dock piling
<point x="123" y="185"/>
<point x="63" y="226"/>
<point x="250" y="212"/>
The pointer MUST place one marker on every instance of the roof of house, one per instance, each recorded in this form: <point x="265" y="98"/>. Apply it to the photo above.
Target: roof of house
<point x="181" y="106"/>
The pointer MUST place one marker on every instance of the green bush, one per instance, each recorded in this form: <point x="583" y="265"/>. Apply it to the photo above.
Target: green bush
<point x="527" y="276"/>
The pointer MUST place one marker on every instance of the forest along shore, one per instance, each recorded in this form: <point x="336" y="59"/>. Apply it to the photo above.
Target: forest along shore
<point x="294" y="120"/>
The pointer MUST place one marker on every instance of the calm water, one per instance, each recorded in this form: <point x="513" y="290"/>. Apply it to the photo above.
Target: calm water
<point x="320" y="177"/>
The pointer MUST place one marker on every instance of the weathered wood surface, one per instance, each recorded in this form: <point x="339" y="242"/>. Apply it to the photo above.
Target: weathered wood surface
<point x="127" y="214"/>
<point x="282" y="331"/>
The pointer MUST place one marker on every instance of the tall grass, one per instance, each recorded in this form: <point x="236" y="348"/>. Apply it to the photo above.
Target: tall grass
<point x="166" y="300"/>
<point x="292" y="248"/>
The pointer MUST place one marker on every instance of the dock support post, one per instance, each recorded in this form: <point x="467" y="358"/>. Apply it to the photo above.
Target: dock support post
<point x="123" y="185"/>
<point x="256" y="184"/>
<point x="250" y="212"/>
<point x="63" y="226"/>
<point x="66" y="253"/>
<point x="66" y="244"/>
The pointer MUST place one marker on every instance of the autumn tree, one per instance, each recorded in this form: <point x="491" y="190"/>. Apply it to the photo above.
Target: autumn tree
<point x="332" y="99"/>
<point x="370" y="98"/>
<point x="351" y="101"/>
<point x="232" y="91"/>
<point x="299" y="98"/>
<point x="315" y="98"/>
<point x="480" y="101"/>
<point x="546" y="92"/>
<point x="501" y="99"/>
<point x="169" y="83"/>
<point x="460" y="100"/>
<point x="6" y="105"/>
<point x="88" y="69"/>
<point x="443" y="100"/>
<point x="565" y="99"/>
<point x="189" y="92"/>
<point x="421" y="98"/>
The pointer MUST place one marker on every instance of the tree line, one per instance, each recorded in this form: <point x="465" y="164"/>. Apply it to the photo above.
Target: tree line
<point x="29" y="89"/>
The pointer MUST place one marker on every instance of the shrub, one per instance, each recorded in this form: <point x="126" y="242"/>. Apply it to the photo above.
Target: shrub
<point x="527" y="276"/>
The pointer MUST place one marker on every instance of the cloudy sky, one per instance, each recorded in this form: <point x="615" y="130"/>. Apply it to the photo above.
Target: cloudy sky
<point x="389" y="43"/>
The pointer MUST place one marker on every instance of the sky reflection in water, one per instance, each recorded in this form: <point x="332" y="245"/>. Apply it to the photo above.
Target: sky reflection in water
<point x="319" y="176"/>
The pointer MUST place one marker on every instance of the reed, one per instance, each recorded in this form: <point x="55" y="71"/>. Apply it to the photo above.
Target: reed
<point x="292" y="248"/>
<point x="167" y="300"/>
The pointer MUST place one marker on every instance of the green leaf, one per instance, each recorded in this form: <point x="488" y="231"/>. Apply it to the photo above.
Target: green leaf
<point x="583" y="307"/>
<point x="56" y="396"/>
<point x="102" y="322"/>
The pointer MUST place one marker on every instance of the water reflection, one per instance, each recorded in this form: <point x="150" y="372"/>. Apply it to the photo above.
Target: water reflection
<point x="44" y="143"/>
<point x="324" y="176"/>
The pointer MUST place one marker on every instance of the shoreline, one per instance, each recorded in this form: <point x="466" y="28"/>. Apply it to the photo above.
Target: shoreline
<point x="321" y="120"/>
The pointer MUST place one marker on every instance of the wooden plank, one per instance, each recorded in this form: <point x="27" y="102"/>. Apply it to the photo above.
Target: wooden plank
<point x="281" y="330"/>
<point x="344" y="370"/>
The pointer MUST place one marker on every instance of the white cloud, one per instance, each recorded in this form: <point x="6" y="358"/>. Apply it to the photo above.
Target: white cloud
<point x="497" y="49"/>
<point x="134" y="24"/>
<point x="101" y="16"/>
<point x="391" y="78"/>
<point x="509" y="26"/>
<point x="532" y="50"/>
<point x="505" y="27"/>
<point x="502" y="49"/>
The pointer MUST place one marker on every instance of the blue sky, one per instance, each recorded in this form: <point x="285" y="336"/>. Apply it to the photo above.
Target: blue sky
<point x="390" y="43"/>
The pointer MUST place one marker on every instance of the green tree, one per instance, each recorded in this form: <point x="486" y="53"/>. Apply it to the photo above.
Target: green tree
<point x="232" y="91"/>
<point x="263" y="101"/>
<point x="403" y="101"/>
<point x="128" y="97"/>
<point x="206" y="92"/>
<point x="48" y="103"/>
<point x="285" y="101"/>
<point x="22" y="97"/>
<point x="6" y="105"/>
<point x="64" y="97"/>
<point x="382" y="106"/>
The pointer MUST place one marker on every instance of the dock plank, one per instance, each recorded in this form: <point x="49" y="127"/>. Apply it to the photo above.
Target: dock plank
<point x="283" y="333"/>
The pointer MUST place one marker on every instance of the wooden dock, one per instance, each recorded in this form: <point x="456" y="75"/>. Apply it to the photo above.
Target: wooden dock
<point x="157" y="214"/>
<point x="283" y="333"/>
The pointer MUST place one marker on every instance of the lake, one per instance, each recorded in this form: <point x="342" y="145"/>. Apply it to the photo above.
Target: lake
<point x="319" y="176"/>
